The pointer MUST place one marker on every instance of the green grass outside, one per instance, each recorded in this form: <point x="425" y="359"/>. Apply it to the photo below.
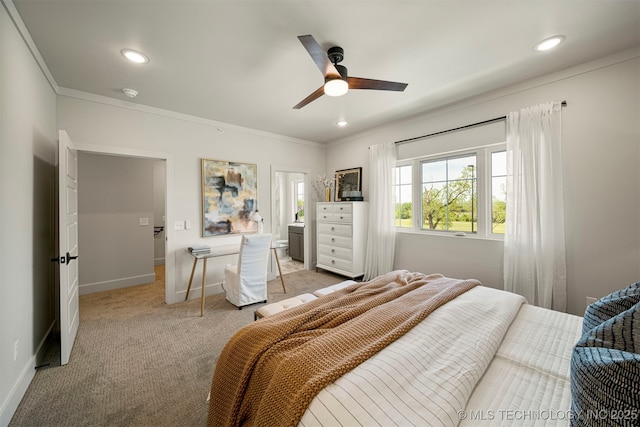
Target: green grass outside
<point x="464" y="226"/>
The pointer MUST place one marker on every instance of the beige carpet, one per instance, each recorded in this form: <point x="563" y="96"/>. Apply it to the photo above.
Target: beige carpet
<point x="289" y="265"/>
<point x="140" y="362"/>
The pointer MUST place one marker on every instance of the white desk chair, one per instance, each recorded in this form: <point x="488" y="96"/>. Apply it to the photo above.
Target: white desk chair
<point x="246" y="283"/>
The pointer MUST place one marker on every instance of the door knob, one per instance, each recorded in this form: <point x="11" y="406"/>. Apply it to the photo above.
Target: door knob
<point x="71" y="258"/>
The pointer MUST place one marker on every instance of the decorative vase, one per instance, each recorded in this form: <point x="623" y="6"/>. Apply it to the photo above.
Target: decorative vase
<point x="327" y="194"/>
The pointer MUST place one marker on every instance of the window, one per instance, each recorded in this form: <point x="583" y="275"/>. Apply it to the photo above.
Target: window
<point x="461" y="193"/>
<point x="298" y="198"/>
<point x="402" y="194"/>
<point x="498" y="191"/>
<point x="449" y="194"/>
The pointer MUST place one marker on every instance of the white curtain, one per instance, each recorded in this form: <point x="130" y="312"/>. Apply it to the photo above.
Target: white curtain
<point x="534" y="246"/>
<point x="381" y="235"/>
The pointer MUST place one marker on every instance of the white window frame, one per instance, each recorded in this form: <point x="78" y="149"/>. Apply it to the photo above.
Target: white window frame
<point x="483" y="186"/>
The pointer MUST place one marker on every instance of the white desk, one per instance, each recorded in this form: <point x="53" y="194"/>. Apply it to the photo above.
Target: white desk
<point x="275" y="246"/>
<point x="218" y="251"/>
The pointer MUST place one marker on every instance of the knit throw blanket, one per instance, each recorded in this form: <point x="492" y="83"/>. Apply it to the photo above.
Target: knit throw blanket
<point x="270" y="370"/>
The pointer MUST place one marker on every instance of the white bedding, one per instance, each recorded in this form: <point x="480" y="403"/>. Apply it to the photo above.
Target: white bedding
<point x="528" y="383"/>
<point x="483" y="351"/>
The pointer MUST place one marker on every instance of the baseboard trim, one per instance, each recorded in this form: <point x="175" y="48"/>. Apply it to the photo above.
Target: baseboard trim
<point x="196" y="292"/>
<point x="90" y="288"/>
<point x="19" y="389"/>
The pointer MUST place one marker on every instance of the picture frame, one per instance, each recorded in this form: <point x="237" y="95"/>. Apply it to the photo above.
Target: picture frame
<point x="229" y="197"/>
<point x="348" y="184"/>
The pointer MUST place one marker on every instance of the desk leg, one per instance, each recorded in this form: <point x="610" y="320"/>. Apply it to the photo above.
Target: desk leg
<point x="193" y="269"/>
<point x="275" y="252"/>
<point x="204" y="279"/>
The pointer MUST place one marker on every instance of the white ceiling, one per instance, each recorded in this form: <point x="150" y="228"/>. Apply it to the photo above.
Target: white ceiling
<point x="240" y="62"/>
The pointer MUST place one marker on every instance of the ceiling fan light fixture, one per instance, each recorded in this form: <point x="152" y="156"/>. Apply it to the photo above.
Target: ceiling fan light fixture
<point x="335" y="87"/>
<point x="134" y="56"/>
<point x="549" y="43"/>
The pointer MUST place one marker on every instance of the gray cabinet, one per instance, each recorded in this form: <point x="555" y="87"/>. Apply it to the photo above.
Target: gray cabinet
<point x="296" y="242"/>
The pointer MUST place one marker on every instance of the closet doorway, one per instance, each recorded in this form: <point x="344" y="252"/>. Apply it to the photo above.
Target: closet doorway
<point x="160" y="182"/>
<point x="121" y="224"/>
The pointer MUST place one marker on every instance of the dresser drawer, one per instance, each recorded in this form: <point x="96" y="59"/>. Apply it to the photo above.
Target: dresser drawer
<point x="335" y="262"/>
<point x="343" y="208"/>
<point x="334" y="208"/>
<point x="335" y="252"/>
<point x="326" y="216"/>
<point x="335" y="217"/>
<point x="324" y="208"/>
<point x="335" y="240"/>
<point x="335" y="229"/>
<point x="346" y="218"/>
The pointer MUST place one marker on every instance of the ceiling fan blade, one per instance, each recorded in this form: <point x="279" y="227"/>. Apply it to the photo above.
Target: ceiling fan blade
<point x="315" y="95"/>
<point x="319" y="56"/>
<point x="360" y="83"/>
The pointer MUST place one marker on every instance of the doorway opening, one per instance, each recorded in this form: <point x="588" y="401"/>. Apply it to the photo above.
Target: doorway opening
<point x="147" y="220"/>
<point x="289" y="220"/>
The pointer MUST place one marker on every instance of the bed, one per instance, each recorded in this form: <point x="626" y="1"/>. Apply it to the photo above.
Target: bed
<point x="437" y="352"/>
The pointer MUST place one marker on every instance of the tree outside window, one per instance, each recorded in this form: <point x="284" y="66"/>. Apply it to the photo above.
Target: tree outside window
<point x="298" y="190"/>
<point x="449" y="194"/>
<point x="498" y="191"/>
<point x="402" y="194"/>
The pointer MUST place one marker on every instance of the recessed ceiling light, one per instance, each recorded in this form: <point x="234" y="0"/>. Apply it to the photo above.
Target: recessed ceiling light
<point x="549" y="43"/>
<point x="134" y="56"/>
<point x="342" y="123"/>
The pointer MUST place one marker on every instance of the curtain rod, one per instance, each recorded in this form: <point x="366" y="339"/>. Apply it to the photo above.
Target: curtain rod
<point x="563" y="103"/>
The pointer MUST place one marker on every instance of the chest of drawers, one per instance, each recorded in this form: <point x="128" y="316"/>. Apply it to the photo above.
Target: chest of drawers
<point x="342" y="237"/>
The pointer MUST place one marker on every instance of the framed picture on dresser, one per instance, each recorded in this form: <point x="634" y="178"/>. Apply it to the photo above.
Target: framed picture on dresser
<point x="348" y="185"/>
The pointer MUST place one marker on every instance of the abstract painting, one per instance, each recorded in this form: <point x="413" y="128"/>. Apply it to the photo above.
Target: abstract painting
<point x="229" y="197"/>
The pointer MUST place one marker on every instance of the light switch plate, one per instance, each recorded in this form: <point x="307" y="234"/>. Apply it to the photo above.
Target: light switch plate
<point x="187" y="224"/>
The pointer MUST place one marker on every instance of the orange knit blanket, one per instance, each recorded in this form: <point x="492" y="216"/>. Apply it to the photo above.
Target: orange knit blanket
<point x="270" y="370"/>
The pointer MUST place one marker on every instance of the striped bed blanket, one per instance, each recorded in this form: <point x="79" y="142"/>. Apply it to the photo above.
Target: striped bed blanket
<point x="271" y="370"/>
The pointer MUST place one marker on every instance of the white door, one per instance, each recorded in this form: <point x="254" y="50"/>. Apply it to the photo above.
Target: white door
<point x="68" y="232"/>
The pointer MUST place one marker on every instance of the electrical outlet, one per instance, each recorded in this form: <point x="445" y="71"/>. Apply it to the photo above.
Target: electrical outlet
<point x="178" y="225"/>
<point x="15" y="350"/>
<point x="144" y="221"/>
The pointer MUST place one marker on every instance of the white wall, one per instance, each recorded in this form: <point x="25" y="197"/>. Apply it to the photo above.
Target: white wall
<point x="98" y="124"/>
<point x="28" y="147"/>
<point x="601" y="143"/>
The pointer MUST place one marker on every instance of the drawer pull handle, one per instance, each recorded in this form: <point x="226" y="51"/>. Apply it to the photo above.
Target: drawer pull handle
<point x="333" y="240"/>
<point x="333" y="251"/>
<point x="333" y="261"/>
<point x="341" y="217"/>
<point x="333" y="228"/>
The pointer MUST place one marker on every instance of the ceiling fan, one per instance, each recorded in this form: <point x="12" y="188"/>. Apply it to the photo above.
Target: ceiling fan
<point x="336" y="81"/>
